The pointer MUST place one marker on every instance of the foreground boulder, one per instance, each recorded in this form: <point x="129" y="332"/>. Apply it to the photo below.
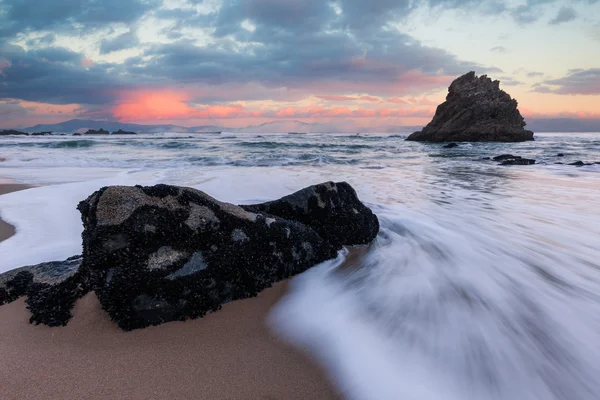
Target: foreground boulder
<point x="475" y="110"/>
<point x="164" y="253"/>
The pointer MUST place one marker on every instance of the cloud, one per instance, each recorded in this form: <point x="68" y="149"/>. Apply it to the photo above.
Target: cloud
<point x="63" y="15"/>
<point x="565" y="14"/>
<point x="121" y="42"/>
<point x="534" y="74"/>
<point x="216" y="53"/>
<point x="334" y="97"/>
<point x="57" y="75"/>
<point x="576" y="82"/>
<point x="499" y="49"/>
<point x="533" y="10"/>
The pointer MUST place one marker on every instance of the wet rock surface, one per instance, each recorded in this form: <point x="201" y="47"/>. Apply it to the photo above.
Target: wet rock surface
<point x="475" y="110"/>
<point x="331" y="209"/>
<point x="518" y="161"/>
<point x="164" y="253"/>
<point x="509" y="159"/>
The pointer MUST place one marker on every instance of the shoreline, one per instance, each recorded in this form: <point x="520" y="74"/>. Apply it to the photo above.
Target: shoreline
<point x="228" y="354"/>
<point x="6" y="229"/>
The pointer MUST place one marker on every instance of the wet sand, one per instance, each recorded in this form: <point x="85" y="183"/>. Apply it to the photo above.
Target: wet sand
<point x="7" y="230"/>
<point x="229" y="354"/>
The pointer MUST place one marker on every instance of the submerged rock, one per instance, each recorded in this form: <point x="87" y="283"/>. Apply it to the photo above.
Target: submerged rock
<point x="503" y="157"/>
<point x="163" y="253"/>
<point x="518" y="161"/>
<point x="475" y="110"/>
<point x="578" y="163"/>
<point x="450" y="146"/>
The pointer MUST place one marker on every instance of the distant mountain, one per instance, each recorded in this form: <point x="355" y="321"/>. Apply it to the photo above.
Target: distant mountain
<point x="563" y="124"/>
<point x="282" y="126"/>
<point x="84" y="124"/>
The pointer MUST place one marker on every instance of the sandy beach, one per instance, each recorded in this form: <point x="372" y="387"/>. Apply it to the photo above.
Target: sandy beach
<point x="7" y="230"/>
<point x="229" y="354"/>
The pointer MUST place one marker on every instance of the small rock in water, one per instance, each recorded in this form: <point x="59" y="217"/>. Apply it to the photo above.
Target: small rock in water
<point x="518" y="161"/>
<point x="578" y="163"/>
<point x="506" y="157"/>
<point x="560" y="155"/>
<point x="450" y="146"/>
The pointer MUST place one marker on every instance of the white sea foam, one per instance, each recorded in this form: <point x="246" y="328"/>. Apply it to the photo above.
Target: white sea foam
<point x="449" y="314"/>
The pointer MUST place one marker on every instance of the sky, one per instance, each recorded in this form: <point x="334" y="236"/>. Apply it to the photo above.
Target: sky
<point x="243" y="62"/>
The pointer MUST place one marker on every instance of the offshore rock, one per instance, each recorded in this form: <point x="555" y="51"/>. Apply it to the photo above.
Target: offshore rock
<point x="163" y="253"/>
<point x="6" y="132"/>
<point x="96" y="132"/>
<point x="475" y="110"/>
<point x="122" y="132"/>
<point x="450" y="146"/>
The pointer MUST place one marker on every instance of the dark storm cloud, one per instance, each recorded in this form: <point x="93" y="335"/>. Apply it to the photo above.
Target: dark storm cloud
<point x="344" y="46"/>
<point x="121" y="42"/>
<point x="22" y="15"/>
<point x="55" y="75"/>
<point x="577" y="81"/>
<point x="565" y="14"/>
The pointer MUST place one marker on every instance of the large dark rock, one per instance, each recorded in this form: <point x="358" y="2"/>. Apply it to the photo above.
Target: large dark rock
<point x="331" y="209"/>
<point x="41" y="134"/>
<point x="475" y="110"/>
<point x="163" y="253"/>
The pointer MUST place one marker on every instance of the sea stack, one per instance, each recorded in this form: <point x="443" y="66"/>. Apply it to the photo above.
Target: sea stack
<point x="475" y="110"/>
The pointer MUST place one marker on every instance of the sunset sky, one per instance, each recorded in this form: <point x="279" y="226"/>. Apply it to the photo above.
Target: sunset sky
<point x="241" y="62"/>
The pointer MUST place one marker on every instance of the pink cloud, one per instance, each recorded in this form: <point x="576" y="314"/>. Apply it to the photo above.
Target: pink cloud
<point x="371" y="98"/>
<point x="87" y="62"/>
<point x="334" y="97"/>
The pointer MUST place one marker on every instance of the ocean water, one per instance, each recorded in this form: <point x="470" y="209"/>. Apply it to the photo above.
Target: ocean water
<point x="484" y="282"/>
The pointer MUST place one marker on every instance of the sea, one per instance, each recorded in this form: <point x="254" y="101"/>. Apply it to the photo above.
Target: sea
<point x="483" y="283"/>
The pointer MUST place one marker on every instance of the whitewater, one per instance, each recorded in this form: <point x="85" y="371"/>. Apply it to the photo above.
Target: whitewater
<point x="483" y="283"/>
